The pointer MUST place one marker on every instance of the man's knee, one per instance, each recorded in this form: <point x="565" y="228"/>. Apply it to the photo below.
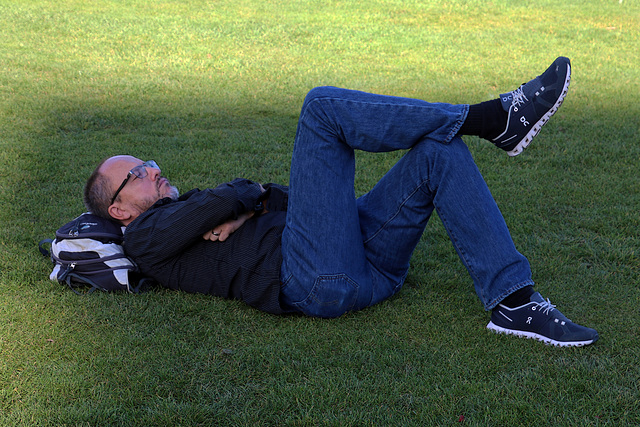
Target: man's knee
<point x="319" y="93"/>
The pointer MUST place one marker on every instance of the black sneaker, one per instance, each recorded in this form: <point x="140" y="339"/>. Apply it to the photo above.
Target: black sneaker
<point x="540" y="319"/>
<point x="532" y="105"/>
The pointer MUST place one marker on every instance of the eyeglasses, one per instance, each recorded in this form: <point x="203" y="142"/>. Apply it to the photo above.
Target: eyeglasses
<point x="139" y="171"/>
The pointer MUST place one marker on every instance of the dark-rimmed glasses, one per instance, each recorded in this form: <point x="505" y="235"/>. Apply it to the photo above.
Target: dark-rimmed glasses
<point x="139" y="171"/>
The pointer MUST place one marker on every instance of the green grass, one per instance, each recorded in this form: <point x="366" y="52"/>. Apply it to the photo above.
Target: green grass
<point x="211" y="90"/>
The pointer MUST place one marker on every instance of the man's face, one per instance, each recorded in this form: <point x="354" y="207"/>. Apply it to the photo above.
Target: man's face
<point x="137" y="194"/>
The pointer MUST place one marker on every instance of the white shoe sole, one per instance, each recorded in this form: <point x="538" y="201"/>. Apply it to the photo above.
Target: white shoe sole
<point x="500" y="330"/>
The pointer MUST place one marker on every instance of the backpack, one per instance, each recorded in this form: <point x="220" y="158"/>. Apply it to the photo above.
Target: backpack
<point x="87" y="251"/>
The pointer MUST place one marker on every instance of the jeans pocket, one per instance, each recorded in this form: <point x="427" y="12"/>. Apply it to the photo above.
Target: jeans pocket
<point x="331" y="296"/>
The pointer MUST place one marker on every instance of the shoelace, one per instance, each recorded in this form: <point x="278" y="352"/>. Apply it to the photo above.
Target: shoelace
<point x="546" y="306"/>
<point x="519" y="98"/>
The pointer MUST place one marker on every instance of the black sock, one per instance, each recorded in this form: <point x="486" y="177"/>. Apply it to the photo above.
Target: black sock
<point x="519" y="297"/>
<point x="486" y="120"/>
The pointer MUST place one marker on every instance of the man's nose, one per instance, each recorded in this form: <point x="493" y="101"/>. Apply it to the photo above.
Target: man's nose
<point x="154" y="173"/>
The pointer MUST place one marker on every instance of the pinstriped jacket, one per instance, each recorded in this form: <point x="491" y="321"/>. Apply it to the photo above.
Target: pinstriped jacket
<point x="166" y="242"/>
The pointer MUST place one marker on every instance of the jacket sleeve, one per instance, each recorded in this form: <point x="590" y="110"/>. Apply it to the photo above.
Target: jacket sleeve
<point x="277" y="197"/>
<point x="169" y="227"/>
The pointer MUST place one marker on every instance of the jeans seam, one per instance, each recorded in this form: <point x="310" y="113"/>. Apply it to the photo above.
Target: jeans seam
<point x="397" y="211"/>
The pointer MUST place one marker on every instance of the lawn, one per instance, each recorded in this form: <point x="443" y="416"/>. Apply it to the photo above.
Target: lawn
<point x="211" y="90"/>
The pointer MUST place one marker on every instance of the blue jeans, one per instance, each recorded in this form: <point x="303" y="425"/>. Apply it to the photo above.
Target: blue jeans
<point x="341" y="253"/>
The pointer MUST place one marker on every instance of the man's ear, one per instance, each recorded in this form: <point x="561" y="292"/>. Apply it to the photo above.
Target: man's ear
<point x="119" y="212"/>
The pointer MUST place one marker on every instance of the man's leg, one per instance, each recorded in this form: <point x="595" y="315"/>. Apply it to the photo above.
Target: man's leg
<point x="325" y="268"/>
<point x="394" y="213"/>
<point x="393" y="216"/>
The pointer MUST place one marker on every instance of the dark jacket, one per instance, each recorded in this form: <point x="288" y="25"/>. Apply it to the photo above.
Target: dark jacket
<point x="166" y="242"/>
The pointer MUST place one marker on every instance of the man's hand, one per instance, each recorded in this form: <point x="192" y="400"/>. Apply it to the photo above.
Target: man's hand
<point x="221" y="232"/>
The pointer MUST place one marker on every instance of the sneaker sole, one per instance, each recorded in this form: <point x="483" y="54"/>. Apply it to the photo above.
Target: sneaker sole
<point x="500" y="330"/>
<point x="524" y="143"/>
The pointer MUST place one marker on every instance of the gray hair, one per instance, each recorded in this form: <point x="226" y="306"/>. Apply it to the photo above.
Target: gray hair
<point x="97" y="193"/>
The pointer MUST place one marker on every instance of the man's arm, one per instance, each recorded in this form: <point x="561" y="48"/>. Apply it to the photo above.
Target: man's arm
<point x="221" y="232"/>
<point x="166" y="230"/>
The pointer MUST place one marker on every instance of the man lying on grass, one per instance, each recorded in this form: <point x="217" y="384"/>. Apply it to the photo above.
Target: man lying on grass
<point x="316" y="249"/>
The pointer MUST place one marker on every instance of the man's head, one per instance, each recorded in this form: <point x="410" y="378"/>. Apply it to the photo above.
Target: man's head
<point x="122" y="187"/>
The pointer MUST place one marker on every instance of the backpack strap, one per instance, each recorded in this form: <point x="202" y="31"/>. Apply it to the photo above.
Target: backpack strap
<point x="67" y="277"/>
<point x="142" y="284"/>
<point x="42" y="249"/>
